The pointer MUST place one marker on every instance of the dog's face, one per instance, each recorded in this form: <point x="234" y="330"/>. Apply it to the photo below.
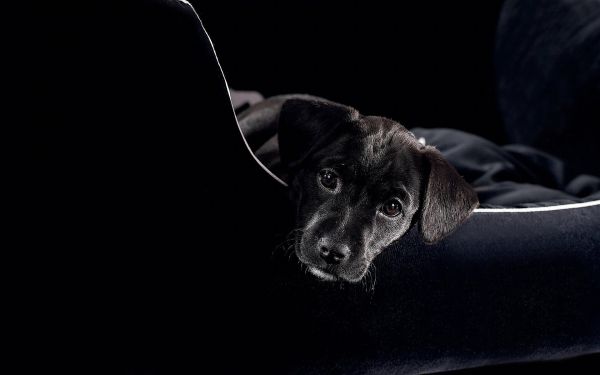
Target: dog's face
<point x="359" y="183"/>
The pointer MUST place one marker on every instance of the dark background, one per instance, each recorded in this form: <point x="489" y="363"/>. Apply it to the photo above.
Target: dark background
<point x="426" y="64"/>
<point x="423" y="63"/>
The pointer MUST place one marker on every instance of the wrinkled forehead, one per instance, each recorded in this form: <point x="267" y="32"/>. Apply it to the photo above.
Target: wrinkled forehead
<point x="382" y="143"/>
<point x="376" y="149"/>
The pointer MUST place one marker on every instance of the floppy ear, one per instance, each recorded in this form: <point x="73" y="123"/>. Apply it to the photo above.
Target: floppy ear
<point x="447" y="201"/>
<point x="304" y="124"/>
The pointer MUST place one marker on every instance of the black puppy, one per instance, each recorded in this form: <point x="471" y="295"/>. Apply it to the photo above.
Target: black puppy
<point x="358" y="182"/>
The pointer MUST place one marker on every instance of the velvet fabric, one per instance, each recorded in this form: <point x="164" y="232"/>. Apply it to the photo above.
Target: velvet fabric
<point x="512" y="175"/>
<point x="153" y="254"/>
<point x="548" y="77"/>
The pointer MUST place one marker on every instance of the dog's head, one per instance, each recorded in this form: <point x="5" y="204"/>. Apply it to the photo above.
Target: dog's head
<point x="359" y="183"/>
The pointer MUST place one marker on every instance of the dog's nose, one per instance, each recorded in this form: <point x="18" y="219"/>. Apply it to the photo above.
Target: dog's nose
<point x="334" y="254"/>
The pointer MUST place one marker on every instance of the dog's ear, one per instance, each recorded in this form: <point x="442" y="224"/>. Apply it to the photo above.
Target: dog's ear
<point x="447" y="200"/>
<point x="304" y="124"/>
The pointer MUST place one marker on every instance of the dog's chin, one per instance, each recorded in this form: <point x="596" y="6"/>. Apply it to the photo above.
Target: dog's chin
<point x="322" y="274"/>
<point x="325" y="275"/>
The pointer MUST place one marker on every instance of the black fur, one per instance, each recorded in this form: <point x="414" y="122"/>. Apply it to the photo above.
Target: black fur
<point x="375" y="160"/>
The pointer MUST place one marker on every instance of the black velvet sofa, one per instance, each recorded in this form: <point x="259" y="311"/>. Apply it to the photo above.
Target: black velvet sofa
<point x="166" y="224"/>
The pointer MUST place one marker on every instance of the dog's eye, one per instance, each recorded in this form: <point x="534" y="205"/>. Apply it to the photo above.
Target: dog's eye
<point x="392" y="208"/>
<point x="328" y="179"/>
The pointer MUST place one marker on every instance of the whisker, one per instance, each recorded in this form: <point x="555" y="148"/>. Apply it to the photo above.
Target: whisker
<point x="288" y="244"/>
<point x="373" y="276"/>
<point x="370" y="279"/>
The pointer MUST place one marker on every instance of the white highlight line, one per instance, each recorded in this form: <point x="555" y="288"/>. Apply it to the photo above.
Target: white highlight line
<point x="232" y="109"/>
<point x="539" y="209"/>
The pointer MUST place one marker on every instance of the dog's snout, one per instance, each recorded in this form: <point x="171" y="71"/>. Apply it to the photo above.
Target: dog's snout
<point x="333" y="253"/>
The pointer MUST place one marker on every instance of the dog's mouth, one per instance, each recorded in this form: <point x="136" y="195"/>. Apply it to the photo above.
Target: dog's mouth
<point x="351" y="272"/>
<point x="322" y="274"/>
